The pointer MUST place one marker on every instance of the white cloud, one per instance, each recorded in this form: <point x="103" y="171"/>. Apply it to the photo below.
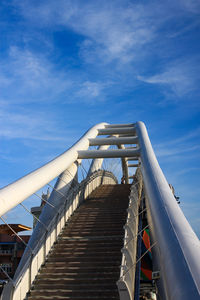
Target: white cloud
<point x="192" y="211"/>
<point x="187" y="171"/>
<point x="116" y="32"/>
<point x="89" y="90"/>
<point x="185" y="139"/>
<point x="181" y="77"/>
<point x="32" y="77"/>
<point x="186" y="145"/>
<point x="112" y="30"/>
<point x="28" y="77"/>
<point x="193" y="6"/>
<point x="27" y="124"/>
<point x="175" y="150"/>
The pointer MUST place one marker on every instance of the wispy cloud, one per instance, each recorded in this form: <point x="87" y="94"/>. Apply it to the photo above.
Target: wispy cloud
<point x="184" y="139"/>
<point x="188" y="171"/>
<point x="90" y="90"/>
<point x="175" y="151"/>
<point x="116" y="33"/>
<point x="193" y="6"/>
<point x="192" y="212"/>
<point x="181" y="77"/>
<point x="187" y="144"/>
<point x="185" y="28"/>
<point x="25" y="124"/>
<point x="32" y="77"/>
<point x="111" y="30"/>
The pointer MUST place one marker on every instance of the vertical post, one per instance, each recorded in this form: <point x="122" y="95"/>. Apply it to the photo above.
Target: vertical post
<point x="45" y="240"/>
<point x="56" y="225"/>
<point x="138" y="266"/>
<point x="30" y="270"/>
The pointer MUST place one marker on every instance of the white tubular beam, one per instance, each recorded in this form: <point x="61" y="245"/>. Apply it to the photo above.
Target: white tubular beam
<point x="119" y="125"/>
<point x="133" y="165"/>
<point x="124" y="165"/>
<point x="178" y="247"/>
<point x="132" y="158"/>
<point x="113" y="141"/>
<point x="132" y="147"/>
<point x="110" y="131"/>
<point x="84" y="154"/>
<point x="21" y="189"/>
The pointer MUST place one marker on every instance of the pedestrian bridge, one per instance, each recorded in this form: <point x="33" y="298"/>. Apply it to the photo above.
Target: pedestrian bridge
<point x="100" y="239"/>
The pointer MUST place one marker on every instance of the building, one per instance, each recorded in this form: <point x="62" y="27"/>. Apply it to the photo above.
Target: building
<point x="11" y="248"/>
<point x="36" y="211"/>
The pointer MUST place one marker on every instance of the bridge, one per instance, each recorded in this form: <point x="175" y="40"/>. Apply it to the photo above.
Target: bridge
<point x="100" y="239"/>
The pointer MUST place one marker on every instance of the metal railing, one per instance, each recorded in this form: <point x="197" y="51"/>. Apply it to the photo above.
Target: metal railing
<point x="126" y="281"/>
<point x="21" y="284"/>
<point x="176" y="254"/>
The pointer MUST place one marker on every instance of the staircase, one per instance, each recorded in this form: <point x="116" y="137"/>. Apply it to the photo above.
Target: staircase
<point x="84" y="263"/>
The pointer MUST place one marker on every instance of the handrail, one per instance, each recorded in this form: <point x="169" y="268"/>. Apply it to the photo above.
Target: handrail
<point x="17" y="289"/>
<point x="178" y="248"/>
<point x="126" y="282"/>
<point x="16" y="192"/>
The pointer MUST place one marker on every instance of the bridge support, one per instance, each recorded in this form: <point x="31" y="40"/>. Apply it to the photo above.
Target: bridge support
<point x="84" y="154"/>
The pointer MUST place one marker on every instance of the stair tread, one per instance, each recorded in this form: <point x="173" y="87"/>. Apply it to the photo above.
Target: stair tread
<point x="85" y="261"/>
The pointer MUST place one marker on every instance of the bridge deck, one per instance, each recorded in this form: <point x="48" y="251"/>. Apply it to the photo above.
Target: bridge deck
<point x="84" y="264"/>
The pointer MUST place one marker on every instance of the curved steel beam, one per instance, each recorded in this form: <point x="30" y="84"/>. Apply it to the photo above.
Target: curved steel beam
<point x="24" y="187"/>
<point x="178" y="247"/>
<point x="97" y="162"/>
<point x="124" y="166"/>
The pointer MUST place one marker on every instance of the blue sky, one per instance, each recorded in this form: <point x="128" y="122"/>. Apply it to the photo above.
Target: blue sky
<point x="67" y="65"/>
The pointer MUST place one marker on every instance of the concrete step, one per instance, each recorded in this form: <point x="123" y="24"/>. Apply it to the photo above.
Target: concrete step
<point x="82" y="259"/>
<point x="74" y="297"/>
<point x="85" y="251"/>
<point x="94" y="225"/>
<point x="109" y="241"/>
<point x="85" y="261"/>
<point x="75" y="287"/>
<point x="76" y="269"/>
<point x="70" y="293"/>
<point x="77" y="280"/>
<point x="94" y="274"/>
<point x="82" y="264"/>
